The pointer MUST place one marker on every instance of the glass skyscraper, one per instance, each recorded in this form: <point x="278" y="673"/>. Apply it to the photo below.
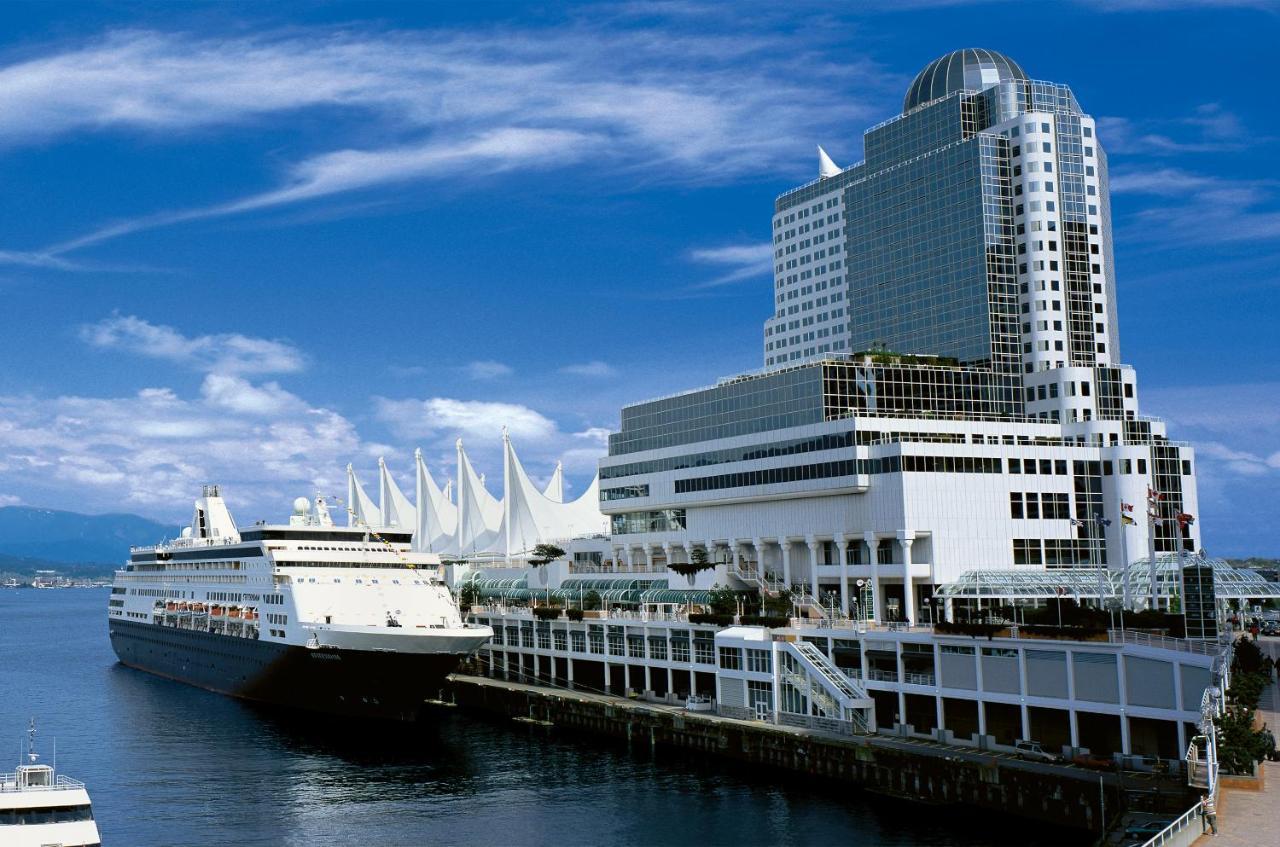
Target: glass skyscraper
<point x="976" y="228"/>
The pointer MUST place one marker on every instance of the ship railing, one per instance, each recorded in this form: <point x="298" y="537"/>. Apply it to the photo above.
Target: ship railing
<point x="9" y="782"/>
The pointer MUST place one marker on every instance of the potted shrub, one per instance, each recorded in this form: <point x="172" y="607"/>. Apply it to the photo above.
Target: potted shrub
<point x="547" y="613"/>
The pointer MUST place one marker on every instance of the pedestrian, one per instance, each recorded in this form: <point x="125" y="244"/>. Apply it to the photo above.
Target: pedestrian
<point x="1208" y="814"/>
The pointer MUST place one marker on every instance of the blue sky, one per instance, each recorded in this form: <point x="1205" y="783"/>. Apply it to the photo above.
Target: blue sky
<point x="247" y="244"/>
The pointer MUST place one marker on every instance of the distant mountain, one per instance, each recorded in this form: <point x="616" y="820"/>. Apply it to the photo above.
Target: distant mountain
<point x="73" y="538"/>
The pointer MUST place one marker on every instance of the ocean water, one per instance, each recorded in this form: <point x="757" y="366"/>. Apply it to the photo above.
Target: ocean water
<point x="167" y="764"/>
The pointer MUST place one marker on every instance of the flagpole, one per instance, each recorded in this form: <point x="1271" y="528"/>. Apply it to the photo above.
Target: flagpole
<point x="1153" y="498"/>
<point x="1124" y="557"/>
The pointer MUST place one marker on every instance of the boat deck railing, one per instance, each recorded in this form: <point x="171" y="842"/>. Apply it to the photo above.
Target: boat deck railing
<point x="9" y="783"/>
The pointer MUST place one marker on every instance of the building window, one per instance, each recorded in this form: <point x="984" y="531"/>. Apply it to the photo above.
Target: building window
<point x="731" y="658"/>
<point x="759" y="661"/>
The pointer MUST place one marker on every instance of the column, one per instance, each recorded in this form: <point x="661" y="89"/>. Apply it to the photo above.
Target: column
<point x="870" y="539"/>
<point x="758" y="546"/>
<point x="785" y="544"/>
<point x="626" y="556"/>
<point x="812" y="543"/>
<point x="1075" y="731"/>
<point x="648" y="557"/>
<point x="569" y="672"/>
<point x="842" y="549"/>
<point x="902" y="681"/>
<point x="666" y="552"/>
<point x="1123" y="682"/>
<point x="1026" y="721"/>
<point x="908" y="589"/>
<point x="735" y="555"/>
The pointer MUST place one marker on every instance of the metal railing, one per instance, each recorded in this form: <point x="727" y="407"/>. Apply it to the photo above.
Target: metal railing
<point x="1163" y="642"/>
<point x="1181" y="832"/>
<point x="9" y="782"/>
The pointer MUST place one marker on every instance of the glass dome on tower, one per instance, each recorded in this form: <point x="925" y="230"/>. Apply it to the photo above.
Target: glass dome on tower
<point x="971" y="69"/>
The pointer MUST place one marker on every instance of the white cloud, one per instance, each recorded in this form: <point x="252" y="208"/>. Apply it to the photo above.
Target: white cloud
<point x="223" y="353"/>
<point x="239" y="395"/>
<point x="150" y="451"/>
<point x="691" y="105"/>
<point x="1162" y="181"/>
<point x="447" y="419"/>
<point x="593" y="369"/>
<point x="746" y="261"/>
<point x="10" y="500"/>
<point x="487" y="370"/>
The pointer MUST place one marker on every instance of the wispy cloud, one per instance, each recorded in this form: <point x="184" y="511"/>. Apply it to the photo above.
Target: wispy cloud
<point x="487" y="370"/>
<point x="437" y="104"/>
<point x="1208" y="129"/>
<point x="744" y="261"/>
<point x="592" y="369"/>
<point x="226" y="353"/>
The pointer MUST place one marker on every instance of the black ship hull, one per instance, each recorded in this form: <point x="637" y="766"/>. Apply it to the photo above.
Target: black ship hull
<point x="348" y="683"/>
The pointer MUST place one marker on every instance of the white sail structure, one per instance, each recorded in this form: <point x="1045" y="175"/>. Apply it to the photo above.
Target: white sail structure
<point x="397" y="511"/>
<point x="479" y="523"/>
<point x="436" y="527"/>
<point x="531" y="517"/>
<point x="361" y="511"/>
<point x="555" y="488"/>
<point x="479" y="512"/>
<point x="826" y="167"/>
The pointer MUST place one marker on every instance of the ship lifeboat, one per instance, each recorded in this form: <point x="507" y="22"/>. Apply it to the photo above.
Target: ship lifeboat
<point x="183" y="607"/>
<point x="233" y="612"/>
<point x="171" y="606"/>
<point x="216" y="611"/>
<point x="251" y="614"/>
<point x="198" y="608"/>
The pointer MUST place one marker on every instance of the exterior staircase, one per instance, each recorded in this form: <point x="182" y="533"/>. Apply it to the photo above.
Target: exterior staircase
<point x="752" y="575"/>
<point x="838" y="698"/>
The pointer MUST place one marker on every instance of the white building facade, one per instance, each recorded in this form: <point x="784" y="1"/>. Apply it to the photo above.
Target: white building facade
<point x="942" y="390"/>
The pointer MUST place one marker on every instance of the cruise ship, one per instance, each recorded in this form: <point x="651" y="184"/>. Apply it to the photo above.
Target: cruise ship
<point x="309" y="615"/>
<point x="40" y="807"/>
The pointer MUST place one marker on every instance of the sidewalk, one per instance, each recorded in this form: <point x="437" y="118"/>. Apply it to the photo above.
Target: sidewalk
<point x="1245" y="817"/>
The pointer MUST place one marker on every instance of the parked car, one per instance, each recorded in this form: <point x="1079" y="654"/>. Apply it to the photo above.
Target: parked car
<point x="1033" y="752"/>
<point x="1146" y="830"/>
<point x="1095" y="761"/>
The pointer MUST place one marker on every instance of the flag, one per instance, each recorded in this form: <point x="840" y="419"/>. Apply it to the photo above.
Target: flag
<point x="1185" y="520"/>
<point x="1125" y="520"/>
<point x="1077" y="522"/>
<point x="1126" y="507"/>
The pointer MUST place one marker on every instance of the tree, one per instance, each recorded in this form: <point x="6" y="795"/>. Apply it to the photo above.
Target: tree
<point x="468" y="594"/>
<point x="778" y="604"/>
<point x="723" y="600"/>
<point x="591" y="600"/>
<point x="545" y="554"/>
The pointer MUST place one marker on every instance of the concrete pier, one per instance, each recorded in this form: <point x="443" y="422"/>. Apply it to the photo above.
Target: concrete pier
<point x="1065" y="796"/>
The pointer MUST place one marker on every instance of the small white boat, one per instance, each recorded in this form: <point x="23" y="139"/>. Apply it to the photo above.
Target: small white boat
<point x="39" y="807"/>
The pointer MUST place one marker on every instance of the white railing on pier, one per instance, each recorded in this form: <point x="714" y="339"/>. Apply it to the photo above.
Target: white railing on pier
<point x="1182" y="832"/>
